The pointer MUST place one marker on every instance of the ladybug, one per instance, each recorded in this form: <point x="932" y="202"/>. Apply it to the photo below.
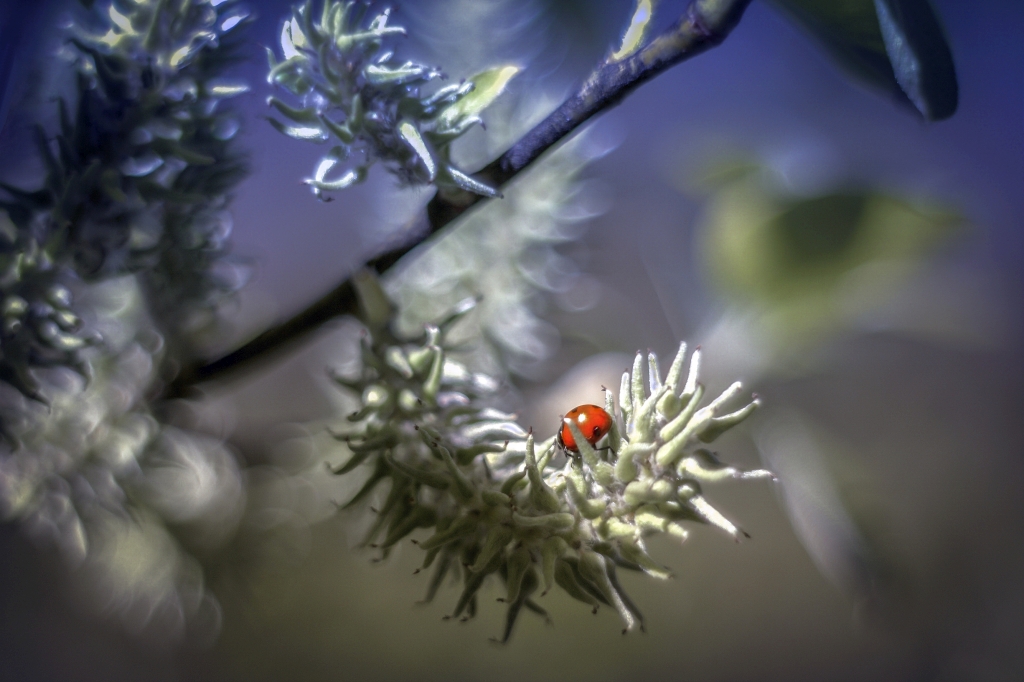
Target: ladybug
<point x="593" y="422"/>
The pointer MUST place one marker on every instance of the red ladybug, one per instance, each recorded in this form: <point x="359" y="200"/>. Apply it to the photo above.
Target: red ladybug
<point x="593" y="422"/>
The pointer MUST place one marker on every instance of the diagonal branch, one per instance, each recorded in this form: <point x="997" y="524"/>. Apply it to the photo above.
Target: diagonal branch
<point x="705" y="24"/>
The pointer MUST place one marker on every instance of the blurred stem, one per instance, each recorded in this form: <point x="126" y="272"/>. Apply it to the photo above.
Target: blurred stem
<point x="705" y="24"/>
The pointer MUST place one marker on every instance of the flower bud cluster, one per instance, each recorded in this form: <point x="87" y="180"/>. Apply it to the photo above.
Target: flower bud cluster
<point x="500" y="503"/>
<point x="136" y="177"/>
<point x="130" y="217"/>
<point x="352" y="90"/>
<point x="38" y="327"/>
<point x="168" y="162"/>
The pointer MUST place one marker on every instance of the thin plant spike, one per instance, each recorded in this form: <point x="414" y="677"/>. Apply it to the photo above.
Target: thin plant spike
<point x="675" y="371"/>
<point x="637" y="384"/>
<point x="694" y="373"/>
<point x="594" y="567"/>
<point x="625" y="401"/>
<point x="540" y="494"/>
<point x="653" y="373"/>
<point x="676" y="426"/>
<point x="714" y="517"/>
<point x="719" y="425"/>
<point x="616" y="431"/>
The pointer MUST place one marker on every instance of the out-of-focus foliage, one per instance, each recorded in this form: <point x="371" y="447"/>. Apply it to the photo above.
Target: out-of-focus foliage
<point x="173" y="148"/>
<point x="99" y="477"/>
<point x="136" y="180"/>
<point x="827" y="500"/>
<point x="808" y="265"/>
<point x="805" y="266"/>
<point x="39" y="328"/>
<point x="131" y="216"/>
<point x="895" y="45"/>
<point x="505" y="254"/>
<point x="502" y="504"/>
<point x="352" y="89"/>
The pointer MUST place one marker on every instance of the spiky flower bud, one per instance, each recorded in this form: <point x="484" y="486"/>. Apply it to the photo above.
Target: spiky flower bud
<point x="353" y="91"/>
<point x="500" y="502"/>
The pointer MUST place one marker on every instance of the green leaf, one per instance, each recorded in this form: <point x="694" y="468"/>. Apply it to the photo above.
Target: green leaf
<point x="633" y="38"/>
<point x="487" y="85"/>
<point x="895" y="45"/>
<point x="415" y="141"/>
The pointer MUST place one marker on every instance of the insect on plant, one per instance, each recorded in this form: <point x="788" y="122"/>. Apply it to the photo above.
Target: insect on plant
<point x="115" y="269"/>
<point x="594" y="423"/>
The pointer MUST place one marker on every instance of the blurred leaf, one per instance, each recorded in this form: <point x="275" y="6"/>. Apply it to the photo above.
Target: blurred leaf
<point x="306" y="115"/>
<point x="805" y="264"/>
<point x="895" y="45"/>
<point x="310" y="133"/>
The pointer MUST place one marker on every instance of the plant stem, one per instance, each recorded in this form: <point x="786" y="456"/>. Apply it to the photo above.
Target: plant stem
<point x="705" y="24"/>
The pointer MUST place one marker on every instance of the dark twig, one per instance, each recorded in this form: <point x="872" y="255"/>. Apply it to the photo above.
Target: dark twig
<point x="705" y="24"/>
